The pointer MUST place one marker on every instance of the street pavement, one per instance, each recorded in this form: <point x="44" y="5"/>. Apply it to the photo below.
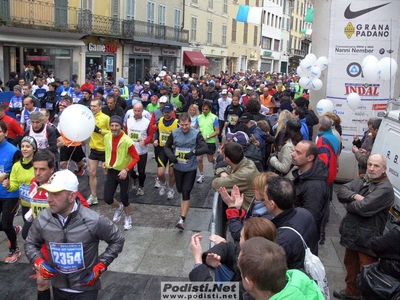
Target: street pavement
<point x="154" y="250"/>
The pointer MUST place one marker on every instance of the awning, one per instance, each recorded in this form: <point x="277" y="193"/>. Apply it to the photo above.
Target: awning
<point x="193" y="58"/>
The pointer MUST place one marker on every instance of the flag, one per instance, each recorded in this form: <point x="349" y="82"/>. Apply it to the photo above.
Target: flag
<point x="309" y="16"/>
<point x="249" y="14"/>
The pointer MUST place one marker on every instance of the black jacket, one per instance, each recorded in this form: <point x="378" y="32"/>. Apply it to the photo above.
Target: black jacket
<point x="301" y="220"/>
<point x="387" y="248"/>
<point x="311" y="120"/>
<point x="312" y="191"/>
<point x="364" y="219"/>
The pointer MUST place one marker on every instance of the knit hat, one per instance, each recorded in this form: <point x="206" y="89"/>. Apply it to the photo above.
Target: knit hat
<point x="31" y="141"/>
<point x="17" y="87"/>
<point x="117" y="119"/>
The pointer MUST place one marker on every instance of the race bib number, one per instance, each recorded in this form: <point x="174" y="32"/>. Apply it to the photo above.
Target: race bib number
<point x="24" y="193"/>
<point x="49" y="105"/>
<point x="180" y="155"/>
<point x="37" y="206"/>
<point x="233" y="119"/>
<point x="67" y="256"/>
<point x="164" y="137"/>
<point x="135" y="135"/>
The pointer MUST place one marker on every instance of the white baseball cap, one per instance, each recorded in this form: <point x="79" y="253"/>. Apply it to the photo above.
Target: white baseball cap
<point x="163" y="99"/>
<point x="63" y="180"/>
<point x="146" y="83"/>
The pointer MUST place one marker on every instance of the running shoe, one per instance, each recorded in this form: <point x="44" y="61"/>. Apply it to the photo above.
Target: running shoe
<point x="140" y="191"/>
<point x="200" y="179"/>
<point x="170" y="194"/>
<point x="135" y="184"/>
<point x="157" y="184"/>
<point x="128" y="223"/>
<point x="13" y="256"/>
<point x="92" y="200"/>
<point x="180" y="224"/>
<point x="81" y="171"/>
<point x="118" y="213"/>
<point x="162" y="189"/>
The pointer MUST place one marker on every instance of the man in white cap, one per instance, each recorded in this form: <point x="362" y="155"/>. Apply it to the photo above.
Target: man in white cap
<point x="223" y="102"/>
<point x="71" y="231"/>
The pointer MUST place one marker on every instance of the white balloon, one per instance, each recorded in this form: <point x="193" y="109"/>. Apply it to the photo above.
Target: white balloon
<point x="316" y="84"/>
<point x="368" y="59"/>
<point x="311" y="58"/>
<point x="324" y="106"/>
<point x="77" y="122"/>
<point x="305" y="82"/>
<point x="300" y="72"/>
<point x="315" y="72"/>
<point x="371" y="72"/>
<point x="322" y="62"/>
<point x="387" y="68"/>
<point x="306" y="65"/>
<point x="353" y="100"/>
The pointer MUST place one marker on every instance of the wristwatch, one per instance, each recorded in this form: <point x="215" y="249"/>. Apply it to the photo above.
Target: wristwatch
<point x="207" y="137"/>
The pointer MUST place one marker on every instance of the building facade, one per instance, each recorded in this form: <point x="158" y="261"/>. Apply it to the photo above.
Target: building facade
<point x="271" y="39"/>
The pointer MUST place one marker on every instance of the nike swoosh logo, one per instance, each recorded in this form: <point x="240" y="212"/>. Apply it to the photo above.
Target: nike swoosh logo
<point x="349" y="14"/>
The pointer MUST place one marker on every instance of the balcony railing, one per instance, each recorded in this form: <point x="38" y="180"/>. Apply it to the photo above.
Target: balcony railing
<point x="140" y="29"/>
<point x="56" y="17"/>
<point x="297" y="52"/>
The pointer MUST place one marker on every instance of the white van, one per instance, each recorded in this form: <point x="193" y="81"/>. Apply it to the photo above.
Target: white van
<point x="387" y="143"/>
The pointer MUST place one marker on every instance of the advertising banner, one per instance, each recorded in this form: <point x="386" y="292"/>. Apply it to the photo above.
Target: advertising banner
<point x="357" y="29"/>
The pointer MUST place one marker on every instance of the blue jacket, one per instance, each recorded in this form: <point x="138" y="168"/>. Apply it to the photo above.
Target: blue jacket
<point x="304" y="129"/>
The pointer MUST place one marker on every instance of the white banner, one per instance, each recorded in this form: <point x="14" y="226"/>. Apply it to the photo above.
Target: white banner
<point x="357" y="29"/>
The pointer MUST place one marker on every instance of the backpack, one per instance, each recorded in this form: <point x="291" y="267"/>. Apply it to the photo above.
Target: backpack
<point x="314" y="267"/>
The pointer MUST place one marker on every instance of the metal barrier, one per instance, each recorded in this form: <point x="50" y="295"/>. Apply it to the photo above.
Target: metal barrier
<point x="217" y="226"/>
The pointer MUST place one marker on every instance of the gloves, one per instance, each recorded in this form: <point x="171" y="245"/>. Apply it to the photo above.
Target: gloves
<point x="97" y="129"/>
<point x="45" y="269"/>
<point x="189" y="155"/>
<point x="97" y="271"/>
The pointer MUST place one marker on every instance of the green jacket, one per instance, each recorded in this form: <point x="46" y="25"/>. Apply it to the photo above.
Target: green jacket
<point x="300" y="287"/>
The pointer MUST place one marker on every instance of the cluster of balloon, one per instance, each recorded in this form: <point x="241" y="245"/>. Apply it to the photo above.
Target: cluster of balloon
<point x="77" y="122"/>
<point x="374" y="69"/>
<point x="310" y="70"/>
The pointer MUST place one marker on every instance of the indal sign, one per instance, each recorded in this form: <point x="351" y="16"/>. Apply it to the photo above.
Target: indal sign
<point x="102" y="48"/>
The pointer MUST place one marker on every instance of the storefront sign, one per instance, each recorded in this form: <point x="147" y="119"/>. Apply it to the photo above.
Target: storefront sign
<point x="168" y="52"/>
<point x="102" y="48"/>
<point x="141" y="50"/>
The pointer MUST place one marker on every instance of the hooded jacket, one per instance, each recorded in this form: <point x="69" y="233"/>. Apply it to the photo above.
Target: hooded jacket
<point x="312" y="191"/>
<point x="299" y="286"/>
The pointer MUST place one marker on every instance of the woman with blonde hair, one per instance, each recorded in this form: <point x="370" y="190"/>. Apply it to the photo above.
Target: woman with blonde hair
<point x="279" y="127"/>
<point x="194" y="114"/>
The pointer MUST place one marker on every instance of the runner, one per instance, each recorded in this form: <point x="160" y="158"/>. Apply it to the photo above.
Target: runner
<point x="140" y="131"/>
<point x="181" y="148"/>
<point x="121" y="157"/>
<point x="164" y="128"/>
<point x="8" y="200"/>
<point x="208" y="124"/>
<point x="69" y="229"/>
